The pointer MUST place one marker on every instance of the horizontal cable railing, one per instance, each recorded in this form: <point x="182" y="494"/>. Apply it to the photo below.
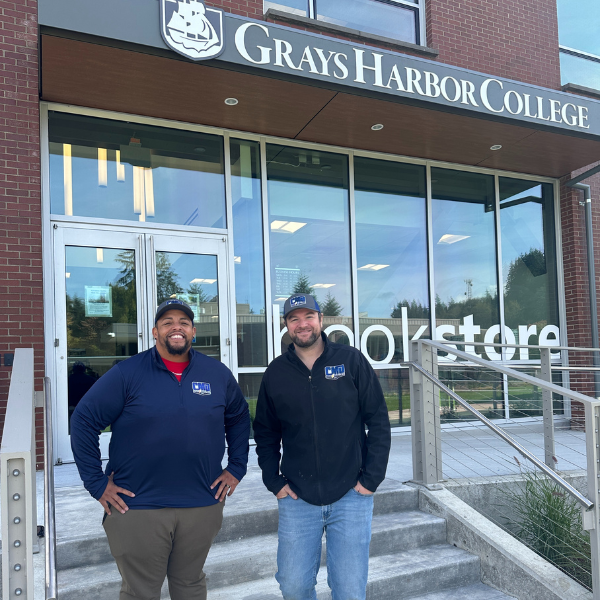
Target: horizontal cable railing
<point x="498" y="437"/>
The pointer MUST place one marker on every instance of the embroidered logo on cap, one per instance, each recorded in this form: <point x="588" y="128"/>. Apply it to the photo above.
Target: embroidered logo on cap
<point x="335" y="372"/>
<point x="201" y="388"/>
<point x="297" y="300"/>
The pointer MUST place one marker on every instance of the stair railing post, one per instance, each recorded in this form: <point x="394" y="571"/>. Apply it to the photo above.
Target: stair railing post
<point x="590" y="518"/>
<point x="547" y="408"/>
<point x="425" y="417"/>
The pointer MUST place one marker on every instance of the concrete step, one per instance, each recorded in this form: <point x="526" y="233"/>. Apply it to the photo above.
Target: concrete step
<point x="407" y="574"/>
<point x="246" y="516"/>
<point x="237" y="561"/>
<point x="479" y="591"/>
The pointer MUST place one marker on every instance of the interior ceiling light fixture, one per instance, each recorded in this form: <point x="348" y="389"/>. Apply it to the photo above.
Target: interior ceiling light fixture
<point x="231" y="101"/>
<point x="449" y="238"/>
<point x="323" y="285"/>
<point x="372" y="267"/>
<point x="237" y="259"/>
<point x="286" y="226"/>
<point x="377" y="127"/>
<point x="496" y="147"/>
<point x="202" y="280"/>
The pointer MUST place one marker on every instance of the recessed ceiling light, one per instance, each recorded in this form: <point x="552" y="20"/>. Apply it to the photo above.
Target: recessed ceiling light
<point x="237" y="259"/>
<point x="451" y="238"/>
<point x="323" y="285"/>
<point x="372" y="267"/>
<point x="231" y="101"/>
<point x="377" y="127"/>
<point x="496" y="147"/>
<point x="199" y="280"/>
<point x="286" y="226"/>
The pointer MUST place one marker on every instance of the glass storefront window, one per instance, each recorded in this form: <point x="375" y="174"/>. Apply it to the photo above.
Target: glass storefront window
<point x="310" y="233"/>
<point x="250" y="385"/>
<point x="391" y="252"/>
<point x="248" y="250"/>
<point x="464" y="258"/>
<point x="528" y="264"/>
<point x="389" y="19"/>
<point x="396" y="391"/>
<point x="134" y="172"/>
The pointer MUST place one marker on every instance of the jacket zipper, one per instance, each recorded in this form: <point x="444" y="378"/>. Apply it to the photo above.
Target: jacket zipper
<point x="312" y="405"/>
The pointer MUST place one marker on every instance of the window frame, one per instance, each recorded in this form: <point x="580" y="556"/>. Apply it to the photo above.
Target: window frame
<point x="417" y="6"/>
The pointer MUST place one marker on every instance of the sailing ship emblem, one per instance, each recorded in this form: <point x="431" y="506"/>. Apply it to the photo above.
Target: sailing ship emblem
<point x="191" y="29"/>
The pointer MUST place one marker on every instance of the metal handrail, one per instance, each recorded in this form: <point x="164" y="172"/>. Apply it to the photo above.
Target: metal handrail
<point x="49" y="504"/>
<point x="501" y="368"/>
<point x="580" y="498"/>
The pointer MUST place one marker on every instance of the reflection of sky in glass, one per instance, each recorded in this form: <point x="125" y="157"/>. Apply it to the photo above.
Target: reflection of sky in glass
<point x="319" y="249"/>
<point x="391" y="20"/>
<point x="522" y="226"/>
<point x="187" y="267"/>
<point x="83" y="268"/>
<point x="181" y="196"/>
<point x="578" y="25"/>
<point x="473" y="257"/>
<point x="574" y="69"/>
<point x="390" y="229"/>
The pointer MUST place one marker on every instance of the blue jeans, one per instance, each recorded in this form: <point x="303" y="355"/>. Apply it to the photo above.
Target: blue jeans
<point x="347" y="526"/>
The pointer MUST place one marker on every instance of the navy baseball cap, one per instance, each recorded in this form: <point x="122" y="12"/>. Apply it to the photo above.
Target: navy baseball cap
<point x="300" y="301"/>
<point x="173" y="304"/>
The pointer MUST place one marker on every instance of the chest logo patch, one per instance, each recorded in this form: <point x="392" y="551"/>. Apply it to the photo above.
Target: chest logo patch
<point x="335" y="372"/>
<point x="201" y="388"/>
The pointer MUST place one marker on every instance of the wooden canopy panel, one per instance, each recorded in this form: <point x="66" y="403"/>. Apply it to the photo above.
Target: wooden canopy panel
<point x="99" y="76"/>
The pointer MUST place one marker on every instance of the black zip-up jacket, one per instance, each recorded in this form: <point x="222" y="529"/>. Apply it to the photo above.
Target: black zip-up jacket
<point x="319" y="417"/>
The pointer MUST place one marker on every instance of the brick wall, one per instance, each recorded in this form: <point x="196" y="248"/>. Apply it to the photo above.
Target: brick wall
<point x="21" y="317"/>
<point x="507" y="38"/>
<point x="576" y="278"/>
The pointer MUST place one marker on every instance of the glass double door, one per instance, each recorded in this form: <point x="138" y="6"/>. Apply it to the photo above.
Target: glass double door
<point x="108" y="285"/>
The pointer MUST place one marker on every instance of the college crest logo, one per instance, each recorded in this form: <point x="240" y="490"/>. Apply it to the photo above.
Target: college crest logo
<point x="335" y="372"/>
<point x="191" y="29"/>
<point x="201" y="388"/>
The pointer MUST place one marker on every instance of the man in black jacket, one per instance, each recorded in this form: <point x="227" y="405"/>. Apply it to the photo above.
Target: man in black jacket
<point x="315" y="400"/>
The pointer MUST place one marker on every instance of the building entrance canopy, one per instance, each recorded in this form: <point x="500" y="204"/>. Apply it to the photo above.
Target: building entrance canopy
<point x="296" y="84"/>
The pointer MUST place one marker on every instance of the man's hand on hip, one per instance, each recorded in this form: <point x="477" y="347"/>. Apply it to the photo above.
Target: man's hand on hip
<point x="361" y="489"/>
<point x="111" y="497"/>
<point x="286" y="490"/>
<point x="227" y="484"/>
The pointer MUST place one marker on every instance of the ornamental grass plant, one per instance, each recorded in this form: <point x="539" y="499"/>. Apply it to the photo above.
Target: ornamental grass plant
<point x="548" y="520"/>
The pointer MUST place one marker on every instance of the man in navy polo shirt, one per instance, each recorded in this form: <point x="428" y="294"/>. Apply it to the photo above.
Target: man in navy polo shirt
<point x="315" y="401"/>
<point x="170" y="410"/>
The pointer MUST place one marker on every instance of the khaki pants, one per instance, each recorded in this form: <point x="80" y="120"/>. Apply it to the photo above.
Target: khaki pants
<point x="148" y="545"/>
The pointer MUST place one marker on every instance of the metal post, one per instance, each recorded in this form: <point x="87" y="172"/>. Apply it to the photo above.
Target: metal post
<point x="425" y="417"/>
<point x="51" y="579"/>
<point x="548" y="412"/>
<point x="590" y="518"/>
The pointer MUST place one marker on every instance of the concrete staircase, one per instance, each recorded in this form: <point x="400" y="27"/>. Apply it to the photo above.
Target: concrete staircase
<point x="409" y="554"/>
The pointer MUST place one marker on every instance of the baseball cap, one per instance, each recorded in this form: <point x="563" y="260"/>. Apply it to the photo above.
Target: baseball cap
<point x="300" y="301"/>
<point x="173" y="304"/>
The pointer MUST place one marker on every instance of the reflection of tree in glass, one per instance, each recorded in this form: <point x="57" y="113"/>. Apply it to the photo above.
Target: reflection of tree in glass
<point x="484" y="309"/>
<point x="526" y="292"/>
<point x="303" y="286"/>
<point x="166" y="279"/>
<point x="331" y="307"/>
<point x="196" y="288"/>
<point x="416" y="310"/>
<point x="85" y="333"/>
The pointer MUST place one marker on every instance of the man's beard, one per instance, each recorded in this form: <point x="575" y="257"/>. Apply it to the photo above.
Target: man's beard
<point x="306" y="343"/>
<point x="179" y="350"/>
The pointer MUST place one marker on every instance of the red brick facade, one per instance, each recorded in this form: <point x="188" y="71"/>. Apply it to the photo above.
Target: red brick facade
<point x="21" y="306"/>
<point x="507" y="38"/>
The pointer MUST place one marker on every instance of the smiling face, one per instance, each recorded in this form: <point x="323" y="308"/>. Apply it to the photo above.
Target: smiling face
<point x="304" y="327"/>
<point x="174" y="332"/>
